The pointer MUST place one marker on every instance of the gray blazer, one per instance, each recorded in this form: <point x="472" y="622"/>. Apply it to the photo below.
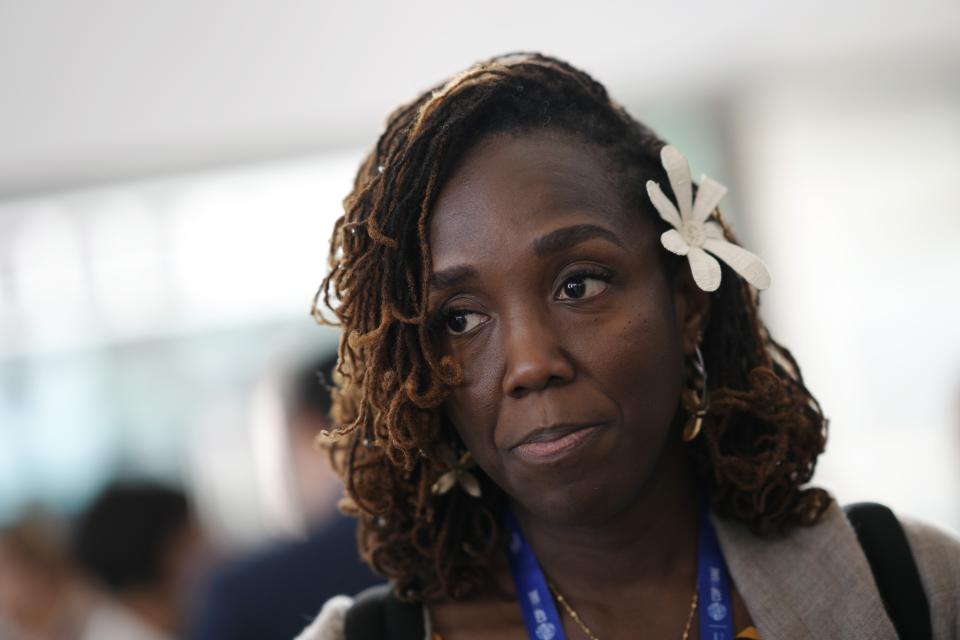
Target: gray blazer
<point x="813" y="583"/>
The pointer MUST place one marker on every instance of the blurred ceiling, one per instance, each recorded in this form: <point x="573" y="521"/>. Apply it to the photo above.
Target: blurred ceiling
<point x="108" y="89"/>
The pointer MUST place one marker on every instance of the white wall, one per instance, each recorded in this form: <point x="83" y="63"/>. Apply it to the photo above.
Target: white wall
<point x="852" y="189"/>
<point x="106" y="89"/>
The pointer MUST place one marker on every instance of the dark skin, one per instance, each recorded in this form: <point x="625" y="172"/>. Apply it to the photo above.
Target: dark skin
<point x="553" y="297"/>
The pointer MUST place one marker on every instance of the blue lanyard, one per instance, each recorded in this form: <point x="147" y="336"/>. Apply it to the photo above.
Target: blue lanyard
<point x="541" y="617"/>
<point x="536" y="601"/>
<point x="713" y="583"/>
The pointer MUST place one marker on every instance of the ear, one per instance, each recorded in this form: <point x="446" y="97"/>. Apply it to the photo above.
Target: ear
<point x="692" y="309"/>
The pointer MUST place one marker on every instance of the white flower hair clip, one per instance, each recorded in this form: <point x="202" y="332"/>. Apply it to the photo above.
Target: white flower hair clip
<point x="692" y="235"/>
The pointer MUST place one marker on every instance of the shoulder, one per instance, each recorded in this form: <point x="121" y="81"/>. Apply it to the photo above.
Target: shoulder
<point x="806" y="583"/>
<point x="814" y="580"/>
<point x="329" y="624"/>
<point x="937" y="554"/>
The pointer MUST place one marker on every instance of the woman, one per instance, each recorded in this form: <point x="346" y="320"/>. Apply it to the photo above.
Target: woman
<point x="561" y="416"/>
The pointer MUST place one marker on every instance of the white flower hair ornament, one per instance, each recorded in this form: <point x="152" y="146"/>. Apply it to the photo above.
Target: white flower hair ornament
<point x="692" y="234"/>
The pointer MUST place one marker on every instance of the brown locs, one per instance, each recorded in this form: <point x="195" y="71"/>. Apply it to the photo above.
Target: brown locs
<point x="758" y="446"/>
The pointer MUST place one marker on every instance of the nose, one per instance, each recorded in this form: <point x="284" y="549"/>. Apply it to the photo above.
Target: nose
<point x="535" y="358"/>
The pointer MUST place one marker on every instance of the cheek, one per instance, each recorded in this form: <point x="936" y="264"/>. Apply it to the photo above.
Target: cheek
<point x="472" y="406"/>
<point x="643" y="366"/>
<point x="633" y="353"/>
<point x="471" y="409"/>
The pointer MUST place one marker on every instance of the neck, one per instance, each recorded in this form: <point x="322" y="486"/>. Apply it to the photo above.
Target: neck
<point x="649" y="545"/>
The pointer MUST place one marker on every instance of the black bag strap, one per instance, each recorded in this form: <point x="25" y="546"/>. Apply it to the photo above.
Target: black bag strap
<point x="376" y="614"/>
<point x="894" y="568"/>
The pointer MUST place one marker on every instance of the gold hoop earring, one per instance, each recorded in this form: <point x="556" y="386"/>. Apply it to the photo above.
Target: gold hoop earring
<point x="696" y="400"/>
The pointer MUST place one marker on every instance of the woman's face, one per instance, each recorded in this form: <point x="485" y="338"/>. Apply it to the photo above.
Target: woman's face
<point x="550" y="292"/>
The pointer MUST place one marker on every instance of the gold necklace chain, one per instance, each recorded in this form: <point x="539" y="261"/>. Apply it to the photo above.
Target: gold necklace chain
<point x="591" y="635"/>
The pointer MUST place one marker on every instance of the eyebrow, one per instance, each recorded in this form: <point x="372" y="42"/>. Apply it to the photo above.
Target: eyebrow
<point x="452" y="277"/>
<point x="548" y="244"/>
<point x="569" y="237"/>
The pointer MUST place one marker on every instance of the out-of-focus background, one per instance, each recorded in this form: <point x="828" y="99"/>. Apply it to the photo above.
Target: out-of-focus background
<point x="170" y="173"/>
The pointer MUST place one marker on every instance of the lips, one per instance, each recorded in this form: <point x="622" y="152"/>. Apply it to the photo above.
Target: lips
<point x="554" y="441"/>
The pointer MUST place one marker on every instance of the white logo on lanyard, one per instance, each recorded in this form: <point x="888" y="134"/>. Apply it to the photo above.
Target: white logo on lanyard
<point x="717" y="611"/>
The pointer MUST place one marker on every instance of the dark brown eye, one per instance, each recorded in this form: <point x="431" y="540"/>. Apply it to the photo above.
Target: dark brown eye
<point x="575" y="288"/>
<point x="458" y="322"/>
<point x="579" y="287"/>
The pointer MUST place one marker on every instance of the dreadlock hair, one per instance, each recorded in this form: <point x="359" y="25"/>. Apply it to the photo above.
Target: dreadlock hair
<point x="759" y="443"/>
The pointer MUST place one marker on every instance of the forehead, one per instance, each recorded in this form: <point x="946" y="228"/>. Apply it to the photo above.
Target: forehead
<point x="512" y="186"/>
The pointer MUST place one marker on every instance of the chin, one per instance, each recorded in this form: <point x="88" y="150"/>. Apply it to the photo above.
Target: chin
<point x="593" y="489"/>
<point x="587" y="499"/>
<point x="579" y="506"/>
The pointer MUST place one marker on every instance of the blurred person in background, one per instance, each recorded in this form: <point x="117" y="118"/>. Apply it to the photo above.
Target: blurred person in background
<point x="40" y="596"/>
<point x="276" y="590"/>
<point x="142" y="549"/>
